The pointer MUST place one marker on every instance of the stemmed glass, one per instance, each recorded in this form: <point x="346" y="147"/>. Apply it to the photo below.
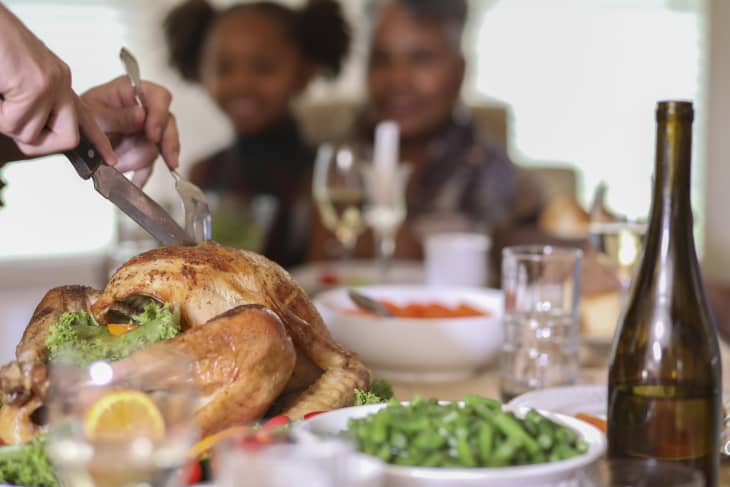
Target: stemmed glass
<point x="621" y="243"/>
<point x="338" y="190"/>
<point x="385" y="208"/>
<point x="113" y="425"/>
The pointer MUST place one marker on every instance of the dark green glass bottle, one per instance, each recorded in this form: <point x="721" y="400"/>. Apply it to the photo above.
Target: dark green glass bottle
<point x="664" y="381"/>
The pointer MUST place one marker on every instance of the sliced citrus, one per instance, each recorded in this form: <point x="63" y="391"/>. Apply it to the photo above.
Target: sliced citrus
<point x="206" y="444"/>
<point x="119" y="329"/>
<point x="121" y="414"/>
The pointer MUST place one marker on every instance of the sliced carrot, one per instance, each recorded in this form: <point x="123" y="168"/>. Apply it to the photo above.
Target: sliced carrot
<point x="426" y="310"/>
<point x="119" y="329"/>
<point x="594" y="420"/>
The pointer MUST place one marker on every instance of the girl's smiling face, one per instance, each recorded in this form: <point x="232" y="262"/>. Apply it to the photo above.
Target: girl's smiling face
<point x="253" y="70"/>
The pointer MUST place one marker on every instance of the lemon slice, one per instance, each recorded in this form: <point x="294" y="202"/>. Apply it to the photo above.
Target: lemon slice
<point x="206" y="444"/>
<point x="124" y="414"/>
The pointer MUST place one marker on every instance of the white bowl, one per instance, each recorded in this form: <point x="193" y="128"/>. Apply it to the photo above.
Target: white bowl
<point x="550" y="474"/>
<point x="432" y="349"/>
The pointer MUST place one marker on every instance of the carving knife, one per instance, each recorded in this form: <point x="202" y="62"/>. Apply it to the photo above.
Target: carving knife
<point x="112" y="185"/>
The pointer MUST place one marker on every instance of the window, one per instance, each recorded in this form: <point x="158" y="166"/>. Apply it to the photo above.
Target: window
<point x="582" y="78"/>
<point x="49" y="209"/>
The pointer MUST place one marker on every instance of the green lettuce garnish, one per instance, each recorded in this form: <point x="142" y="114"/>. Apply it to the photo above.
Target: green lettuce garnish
<point x="77" y="338"/>
<point x="380" y="391"/>
<point x="27" y="464"/>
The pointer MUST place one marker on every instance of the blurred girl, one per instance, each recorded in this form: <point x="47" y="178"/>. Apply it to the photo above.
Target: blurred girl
<point x="254" y="59"/>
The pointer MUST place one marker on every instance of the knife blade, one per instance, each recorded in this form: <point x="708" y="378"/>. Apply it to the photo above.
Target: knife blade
<point x="112" y="185"/>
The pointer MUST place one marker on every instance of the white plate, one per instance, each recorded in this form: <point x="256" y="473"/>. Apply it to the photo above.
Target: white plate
<point x="568" y="400"/>
<point x="354" y="273"/>
<point x="196" y="485"/>
<point x="541" y="475"/>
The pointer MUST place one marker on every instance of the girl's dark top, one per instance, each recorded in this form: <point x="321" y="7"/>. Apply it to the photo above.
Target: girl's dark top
<point x="278" y="163"/>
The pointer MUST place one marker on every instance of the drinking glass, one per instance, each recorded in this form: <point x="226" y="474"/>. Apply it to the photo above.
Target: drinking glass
<point x="640" y="473"/>
<point x="324" y="463"/>
<point x="239" y="221"/>
<point x="541" y="287"/>
<point x="621" y="244"/>
<point x="338" y="190"/>
<point x="457" y="259"/>
<point x="122" y="453"/>
<point x="385" y="209"/>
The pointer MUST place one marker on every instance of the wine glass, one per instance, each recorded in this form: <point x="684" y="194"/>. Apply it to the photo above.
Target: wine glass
<point x="338" y="190"/>
<point x="385" y="208"/>
<point x="112" y="425"/>
<point x="621" y="243"/>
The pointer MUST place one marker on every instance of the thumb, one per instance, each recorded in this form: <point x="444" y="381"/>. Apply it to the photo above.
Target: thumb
<point x="128" y="120"/>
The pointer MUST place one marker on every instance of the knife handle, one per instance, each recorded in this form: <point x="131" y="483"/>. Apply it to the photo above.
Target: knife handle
<point x="85" y="158"/>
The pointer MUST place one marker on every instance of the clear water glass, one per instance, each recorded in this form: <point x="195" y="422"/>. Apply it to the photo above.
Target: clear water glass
<point x="240" y="221"/>
<point x="640" y="473"/>
<point x="135" y="459"/>
<point x="541" y="286"/>
<point x="325" y="463"/>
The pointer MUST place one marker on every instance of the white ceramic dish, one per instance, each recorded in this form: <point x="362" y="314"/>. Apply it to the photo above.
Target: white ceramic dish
<point x="568" y="400"/>
<point x="412" y="349"/>
<point x="540" y="475"/>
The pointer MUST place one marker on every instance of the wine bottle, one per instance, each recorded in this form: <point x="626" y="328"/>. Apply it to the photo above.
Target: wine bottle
<point x="664" y="381"/>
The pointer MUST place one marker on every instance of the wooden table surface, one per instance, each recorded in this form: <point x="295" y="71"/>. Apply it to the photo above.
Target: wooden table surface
<point x="593" y="371"/>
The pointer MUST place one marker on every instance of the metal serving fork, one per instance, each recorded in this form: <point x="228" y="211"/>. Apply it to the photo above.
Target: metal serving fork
<point x="197" y="212"/>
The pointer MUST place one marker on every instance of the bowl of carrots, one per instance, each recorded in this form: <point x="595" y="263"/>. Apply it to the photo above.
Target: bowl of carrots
<point x="433" y="334"/>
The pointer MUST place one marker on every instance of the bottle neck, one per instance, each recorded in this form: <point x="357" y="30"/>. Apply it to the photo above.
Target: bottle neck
<point x="670" y="227"/>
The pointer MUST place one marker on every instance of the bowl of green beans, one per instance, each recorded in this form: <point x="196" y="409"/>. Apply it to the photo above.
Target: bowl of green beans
<point x="475" y="442"/>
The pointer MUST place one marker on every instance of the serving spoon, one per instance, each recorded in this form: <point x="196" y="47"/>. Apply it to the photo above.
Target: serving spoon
<point x="369" y="304"/>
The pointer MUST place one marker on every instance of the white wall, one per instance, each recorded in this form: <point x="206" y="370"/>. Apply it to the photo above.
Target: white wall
<point x="717" y="240"/>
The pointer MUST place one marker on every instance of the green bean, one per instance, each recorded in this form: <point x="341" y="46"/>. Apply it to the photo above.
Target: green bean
<point x="512" y="429"/>
<point x="504" y="453"/>
<point x="432" y="460"/>
<point x="565" y="451"/>
<point x="545" y="441"/>
<point x="399" y="441"/>
<point x="465" y="454"/>
<point x="473" y="400"/>
<point x="486" y="435"/>
<point x="379" y="432"/>
<point x="429" y="440"/>
<point x="413" y="424"/>
<point x="383" y="453"/>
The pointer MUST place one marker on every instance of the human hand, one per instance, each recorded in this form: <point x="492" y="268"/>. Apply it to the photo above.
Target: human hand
<point x="138" y="134"/>
<point x="38" y="109"/>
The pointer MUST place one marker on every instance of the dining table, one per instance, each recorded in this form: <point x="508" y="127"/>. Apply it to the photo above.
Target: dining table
<point x="593" y="370"/>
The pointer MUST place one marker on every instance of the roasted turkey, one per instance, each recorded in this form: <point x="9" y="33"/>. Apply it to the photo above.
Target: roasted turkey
<point x="256" y="342"/>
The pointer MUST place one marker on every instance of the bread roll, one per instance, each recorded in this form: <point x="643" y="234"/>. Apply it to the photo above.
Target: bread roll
<point x="565" y="218"/>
